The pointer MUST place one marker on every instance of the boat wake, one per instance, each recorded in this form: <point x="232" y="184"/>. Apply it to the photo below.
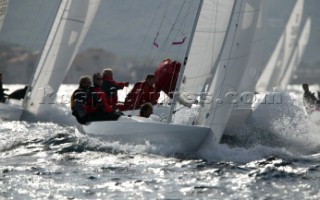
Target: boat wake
<point x="281" y="130"/>
<point x="283" y="125"/>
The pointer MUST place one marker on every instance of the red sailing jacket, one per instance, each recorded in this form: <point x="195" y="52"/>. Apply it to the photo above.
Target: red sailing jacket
<point x="166" y="76"/>
<point x="111" y="87"/>
<point x="140" y="94"/>
<point x="96" y="100"/>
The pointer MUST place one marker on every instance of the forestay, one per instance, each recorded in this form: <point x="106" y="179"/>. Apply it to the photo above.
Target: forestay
<point x="71" y="24"/>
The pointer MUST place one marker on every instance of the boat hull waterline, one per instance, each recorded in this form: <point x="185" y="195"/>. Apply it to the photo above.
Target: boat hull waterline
<point x="175" y="137"/>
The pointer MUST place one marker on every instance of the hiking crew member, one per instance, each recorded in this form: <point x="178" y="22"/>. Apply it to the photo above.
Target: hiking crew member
<point x="146" y="110"/>
<point x="166" y="76"/>
<point x="142" y="92"/>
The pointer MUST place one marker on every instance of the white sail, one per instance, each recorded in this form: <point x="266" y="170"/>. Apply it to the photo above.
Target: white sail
<point x="228" y="38"/>
<point x="206" y="46"/>
<point x="231" y="66"/>
<point x="280" y="57"/>
<point x="297" y="55"/>
<point x="3" y="11"/>
<point x="72" y="22"/>
<point x="255" y="65"/>
<point x="245" y="97"/>
<point x="137" y="130"/>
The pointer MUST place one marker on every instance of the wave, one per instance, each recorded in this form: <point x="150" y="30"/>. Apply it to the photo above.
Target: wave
<point x="278" y="129"/>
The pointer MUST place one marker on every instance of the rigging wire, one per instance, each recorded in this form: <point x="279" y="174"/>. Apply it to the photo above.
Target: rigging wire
<point x="170" y="32"/>
<point x="148" y="31"/>
<point x="173" y="33"/>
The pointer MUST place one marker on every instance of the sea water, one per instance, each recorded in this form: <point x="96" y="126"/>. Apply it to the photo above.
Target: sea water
<point x="275" y="155"/>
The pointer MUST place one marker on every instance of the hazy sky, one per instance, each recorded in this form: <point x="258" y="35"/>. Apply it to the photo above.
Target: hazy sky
<point x="27" y="23"/>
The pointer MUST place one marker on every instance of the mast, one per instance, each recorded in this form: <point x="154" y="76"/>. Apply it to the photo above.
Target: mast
<point x="177" y="89"/>
<point x="205" y="50"/>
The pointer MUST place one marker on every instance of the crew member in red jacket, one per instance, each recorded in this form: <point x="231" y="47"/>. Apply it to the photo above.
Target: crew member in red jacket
<point x="166" y="76"/>
<point x="89" y="103"/>
<point x="97" y="104"/>
<point x="111" y="87"/>
<point x="142" y="92"/>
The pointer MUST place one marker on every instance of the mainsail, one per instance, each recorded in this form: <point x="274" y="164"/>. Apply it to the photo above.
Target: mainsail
<point x="282" y="54"/>
<point x="245" y="98"/>
<point x="206" y="46"/>
<point x="255" y="66"/>
<point x="71" y="24"/>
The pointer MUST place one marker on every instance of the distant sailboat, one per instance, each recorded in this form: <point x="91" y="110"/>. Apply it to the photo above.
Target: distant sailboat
<point x="214" y="67"/>
<point x="248" y="98"/>
<point x="282" y="54"/>
<point x="296" y="56"/>
<point x="69" y="28"/>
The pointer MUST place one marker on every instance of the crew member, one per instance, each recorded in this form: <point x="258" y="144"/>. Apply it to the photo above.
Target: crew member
<point x="166" y="76"/>
<point x="142" y="92"/>
<point x="97" y="105"/>
<point x="79" y="99"/>
<point x="111" y="87"/>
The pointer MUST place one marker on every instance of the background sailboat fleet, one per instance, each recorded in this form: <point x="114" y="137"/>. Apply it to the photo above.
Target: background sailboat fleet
<point x="222" y="67"/>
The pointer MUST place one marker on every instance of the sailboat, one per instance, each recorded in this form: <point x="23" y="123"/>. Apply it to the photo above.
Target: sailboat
<point x="72" y="21"/>
<point x="297" y="54"/>
<point x="297" y="43"/>
<point x="279" y="69"/>
<point x="216" y="55"/>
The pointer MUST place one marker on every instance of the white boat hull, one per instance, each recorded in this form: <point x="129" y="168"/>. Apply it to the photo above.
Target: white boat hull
<point x="10" y="111"/>
<point x="159" y="110"/>
<point x="177" y="138"/>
